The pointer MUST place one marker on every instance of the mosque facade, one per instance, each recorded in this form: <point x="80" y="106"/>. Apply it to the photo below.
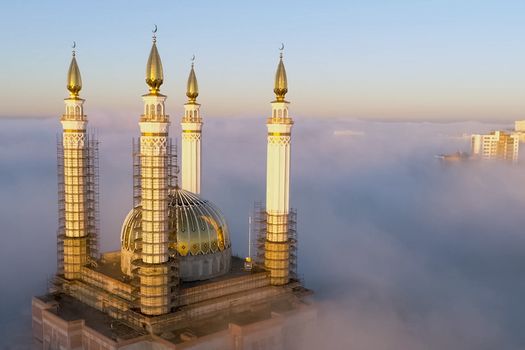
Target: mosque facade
<point x="174" y="284"/>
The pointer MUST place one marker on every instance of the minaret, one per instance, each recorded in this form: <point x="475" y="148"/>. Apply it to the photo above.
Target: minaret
<point x="191" y="137"/>
<point x="277" y="247"/>
<point x="154" y="269"/>
<point x="75" y="238"/>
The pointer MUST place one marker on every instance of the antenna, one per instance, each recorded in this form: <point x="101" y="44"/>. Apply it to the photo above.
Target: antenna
<point x="249" y="236"/>
<point x="248" y="263"/>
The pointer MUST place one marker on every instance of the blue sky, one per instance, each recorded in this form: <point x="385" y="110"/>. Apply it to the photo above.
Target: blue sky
<point x="388" y="60"/>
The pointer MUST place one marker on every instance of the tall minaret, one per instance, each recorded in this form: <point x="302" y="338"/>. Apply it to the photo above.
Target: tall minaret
<point x="154" y="270"/>
<point x="191" y="138"/>
<point x="75" y="238"/>
<point x="277" y="247"/>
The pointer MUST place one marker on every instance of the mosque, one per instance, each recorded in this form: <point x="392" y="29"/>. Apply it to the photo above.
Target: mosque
<point x="174" y="284"/>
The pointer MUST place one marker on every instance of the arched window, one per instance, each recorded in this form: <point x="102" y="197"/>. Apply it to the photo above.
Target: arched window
<point x="147" y="110"/>
<point x="285" y="113"/>
<point x="152" y="110"/>
<point x="77" y="110"/>
<point x="159" y="110"/>
<point x="280" y="113"/>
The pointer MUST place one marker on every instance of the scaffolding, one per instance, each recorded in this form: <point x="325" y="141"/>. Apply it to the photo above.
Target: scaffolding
<point x="61" y="206"/>
<point x="292" y="238"/>
<point x="259" y="231"/>
<point x="135" y="146"/>
<point x="90" y="163"/>
<point x="172" y="182"/>
<point x="92" y="189"/>
<point x="173" y="168"/>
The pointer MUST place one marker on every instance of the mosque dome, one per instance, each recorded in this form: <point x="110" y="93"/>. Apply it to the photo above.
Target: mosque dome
<point x="154" y="73"/>
<point x="281" y="82"/>
<point x="198" y="232"/>
<point x="74" y="79"/>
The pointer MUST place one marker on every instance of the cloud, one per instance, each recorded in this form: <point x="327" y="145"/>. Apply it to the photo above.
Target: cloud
<point x="402" y="253"/>
<point x="349" y="132"/>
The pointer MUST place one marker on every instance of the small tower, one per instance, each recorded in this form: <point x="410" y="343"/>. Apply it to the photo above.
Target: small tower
<point x="74" y="240"/>
<point x="191" y="137"/>
<point x="154" y="267"/>
<point x="277" y="246"/>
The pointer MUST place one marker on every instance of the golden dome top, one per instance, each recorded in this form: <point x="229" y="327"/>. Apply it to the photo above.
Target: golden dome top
<point x="281" y="83"/>
<point x="195" y="226"/>
<point x="154" y="74"/>
<point x="74" y="80"/>
<point x="192" y="89"/>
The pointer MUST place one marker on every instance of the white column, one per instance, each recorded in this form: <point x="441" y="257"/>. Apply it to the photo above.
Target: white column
<point x="278" y="193"/>
<point x="154" y="270"/>
<point x="191" y="148"/>
<point x="75" y="238"/>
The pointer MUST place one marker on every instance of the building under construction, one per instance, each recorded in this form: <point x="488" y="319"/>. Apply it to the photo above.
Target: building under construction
<point x="175" y="283"/>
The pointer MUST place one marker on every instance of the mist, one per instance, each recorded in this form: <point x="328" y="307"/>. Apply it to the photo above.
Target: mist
<point x="401" y="250"/>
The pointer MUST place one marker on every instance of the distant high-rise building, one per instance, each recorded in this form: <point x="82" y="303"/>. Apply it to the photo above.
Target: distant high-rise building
<point x="495" y="145"/>
<point x="519" y="125"/>
<point x="519" y="129"/>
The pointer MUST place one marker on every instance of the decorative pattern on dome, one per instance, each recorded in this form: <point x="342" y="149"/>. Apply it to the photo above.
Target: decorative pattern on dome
<point x="201" y="227"/>
<point x="192" y="87"/>
<point x="74" y="79"/>
<point x="154" y="73"/>
<point x="281" y="82"/>
<point x="196" y="226"/>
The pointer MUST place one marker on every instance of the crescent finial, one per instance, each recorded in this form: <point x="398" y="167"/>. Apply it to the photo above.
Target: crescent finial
<point x="282" y="47"/>
<point x="193" y="58"/>
<point x="155" y="30"/>
<point x="74" y="44"/>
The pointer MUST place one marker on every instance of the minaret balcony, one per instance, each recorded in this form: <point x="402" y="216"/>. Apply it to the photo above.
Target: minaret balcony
<point x="191" y="119"/>
<point x="279" y="120"/>
<point x="73" y="117"/>
<point x="155" y="118"/>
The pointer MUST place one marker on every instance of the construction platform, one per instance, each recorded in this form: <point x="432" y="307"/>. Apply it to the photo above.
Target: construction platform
<point x="99" y="312"/>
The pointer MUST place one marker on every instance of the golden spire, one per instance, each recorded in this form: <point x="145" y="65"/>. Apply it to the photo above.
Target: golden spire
<point x="281" y="83"/>
<point x="74" y="80"/>
<point x="154" y="75"/>
<point x="192" y="89"/>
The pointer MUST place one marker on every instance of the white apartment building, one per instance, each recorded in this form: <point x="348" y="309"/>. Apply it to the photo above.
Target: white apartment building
<point x="496" y="145"/>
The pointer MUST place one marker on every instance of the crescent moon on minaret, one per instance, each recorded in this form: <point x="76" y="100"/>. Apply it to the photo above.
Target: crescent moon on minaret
<point x="282" y="47"/>
<point x="74" y="44"/>
<point x="193" y="58"/>
<point x="155" y="30"/>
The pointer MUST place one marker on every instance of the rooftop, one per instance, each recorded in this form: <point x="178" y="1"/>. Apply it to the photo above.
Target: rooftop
<point x="109" y="265"/>
<point x="70" y="309"/>
<point x="236" y="270"/>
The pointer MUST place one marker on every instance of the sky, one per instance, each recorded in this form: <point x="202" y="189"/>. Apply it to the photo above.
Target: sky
<point x="417" y="60"/>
